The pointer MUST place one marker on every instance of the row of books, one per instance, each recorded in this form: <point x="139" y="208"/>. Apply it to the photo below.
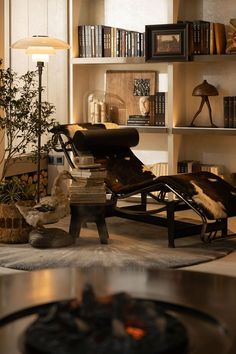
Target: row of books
<point x="206" y="37"/>
<point x="229" y="103"/>
<point x="106" y="41"/>
<point x="157" y="109"/>
<point x="189" y="166"/>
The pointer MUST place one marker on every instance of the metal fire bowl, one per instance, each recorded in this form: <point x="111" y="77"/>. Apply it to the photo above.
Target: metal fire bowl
<point x="205" y="303"/>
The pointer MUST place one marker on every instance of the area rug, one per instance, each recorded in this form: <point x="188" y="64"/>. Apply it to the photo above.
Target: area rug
<point x="131" y="244"/>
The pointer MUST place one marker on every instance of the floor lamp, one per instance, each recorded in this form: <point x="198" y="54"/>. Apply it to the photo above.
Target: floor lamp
<point x="40" y="47"/>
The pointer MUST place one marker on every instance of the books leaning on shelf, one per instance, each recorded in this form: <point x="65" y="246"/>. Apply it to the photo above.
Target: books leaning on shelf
<point x="158" y="109"/>
<point x="229" y="104"/>
<point x="206" y="37"/>
<point x="106" y="41"/>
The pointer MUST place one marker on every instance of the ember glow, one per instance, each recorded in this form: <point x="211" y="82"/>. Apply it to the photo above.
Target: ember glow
<point x="135" y="332"/>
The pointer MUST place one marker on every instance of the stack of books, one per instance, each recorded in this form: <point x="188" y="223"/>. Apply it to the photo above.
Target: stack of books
<point x="137" y="119"/>
<point x="88" y="186"/>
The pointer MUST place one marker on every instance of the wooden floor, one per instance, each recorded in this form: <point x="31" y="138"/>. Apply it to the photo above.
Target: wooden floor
<point x="225" y="265"/>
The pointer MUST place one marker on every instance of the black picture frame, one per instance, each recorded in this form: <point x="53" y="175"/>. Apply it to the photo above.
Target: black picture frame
<point x="166" y="42"/>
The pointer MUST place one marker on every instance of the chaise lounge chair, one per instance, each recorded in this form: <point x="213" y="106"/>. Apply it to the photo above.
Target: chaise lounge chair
<point x="209" y="196"/>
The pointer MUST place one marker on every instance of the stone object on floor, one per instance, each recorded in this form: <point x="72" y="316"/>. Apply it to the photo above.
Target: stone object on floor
<point x="50" y="238"/>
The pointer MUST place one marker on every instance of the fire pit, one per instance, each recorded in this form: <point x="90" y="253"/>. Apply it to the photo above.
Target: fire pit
<point x="117" y="311"/>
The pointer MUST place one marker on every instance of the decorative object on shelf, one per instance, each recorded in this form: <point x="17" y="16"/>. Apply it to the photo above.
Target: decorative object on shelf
<point x="204" y="90"/>
<point x="166" y="42"/>
<point x="102" y="107"/>
<point x="133" y="87"/>
<point x="231" y="40"/>
<point x="40" y="47"/>
<point x="142" y="88"/>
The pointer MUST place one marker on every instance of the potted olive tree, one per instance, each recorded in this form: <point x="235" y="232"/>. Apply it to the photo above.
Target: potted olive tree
<point x="18" y="130"/>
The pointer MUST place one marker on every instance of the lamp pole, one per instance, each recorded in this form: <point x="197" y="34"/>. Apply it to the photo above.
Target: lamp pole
<point x="40" y="47"/>
<point x="40" y="65"/>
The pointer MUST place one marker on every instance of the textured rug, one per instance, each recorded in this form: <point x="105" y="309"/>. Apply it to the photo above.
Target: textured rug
<point x="131" y="244"/>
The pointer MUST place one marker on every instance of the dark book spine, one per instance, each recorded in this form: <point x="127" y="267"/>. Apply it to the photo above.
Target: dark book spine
<point x="231" y="111"/>
<point x="226" y="111"/>
<point x="81" y="41"/>
<point x="234" y="112"/>
<point x="162" y="107"/>
<point x="106" y="41"/>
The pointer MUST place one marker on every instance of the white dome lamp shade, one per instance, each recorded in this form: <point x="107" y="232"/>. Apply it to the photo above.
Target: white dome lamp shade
<point x="40" y="47"/>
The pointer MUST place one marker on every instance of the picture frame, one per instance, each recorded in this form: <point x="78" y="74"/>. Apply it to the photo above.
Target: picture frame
<point x="166" y="42"/>
<point x="128" y="85"/>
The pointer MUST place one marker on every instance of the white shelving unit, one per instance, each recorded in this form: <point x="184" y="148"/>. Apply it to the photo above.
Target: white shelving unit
<point x="176" y="141"/>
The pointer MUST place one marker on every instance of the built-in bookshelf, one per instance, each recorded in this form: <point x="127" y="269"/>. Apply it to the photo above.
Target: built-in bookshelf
<point x="176" y="140"/>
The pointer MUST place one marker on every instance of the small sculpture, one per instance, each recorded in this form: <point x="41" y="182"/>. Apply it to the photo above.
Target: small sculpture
<point x="231" y="41"/>
<point x="204" y="90"/>
<point x="144" y="106"/>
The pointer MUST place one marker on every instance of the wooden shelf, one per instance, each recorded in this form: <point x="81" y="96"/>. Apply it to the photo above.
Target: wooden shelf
<point x="204" y="130"/>
<point x="108" y="60"/>
<point x="214" y="58"/>
<point x="147" y="128"/>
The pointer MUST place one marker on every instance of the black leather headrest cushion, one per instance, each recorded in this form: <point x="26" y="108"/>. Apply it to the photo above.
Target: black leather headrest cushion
<point x="101" y="138"/>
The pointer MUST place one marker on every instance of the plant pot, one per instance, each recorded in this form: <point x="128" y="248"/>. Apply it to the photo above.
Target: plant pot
<point x="13" y="227"/>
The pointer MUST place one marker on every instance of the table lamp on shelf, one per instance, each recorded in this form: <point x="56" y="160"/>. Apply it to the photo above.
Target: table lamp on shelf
<point x="204" y="90"/>
<point x="40" y="47"/>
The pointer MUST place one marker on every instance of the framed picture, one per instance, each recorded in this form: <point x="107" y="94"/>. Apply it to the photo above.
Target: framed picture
<point x="167" y="42"/>
<point x="130" y="85"/>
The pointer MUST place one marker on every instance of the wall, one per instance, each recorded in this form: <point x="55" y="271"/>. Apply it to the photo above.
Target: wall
<point x="1" y="56"/>
<point x="44" y="17"/>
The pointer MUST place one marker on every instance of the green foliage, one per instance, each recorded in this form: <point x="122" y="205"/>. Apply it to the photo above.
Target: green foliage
<point x="13" y="190"/>
<point x="19" y="116"/>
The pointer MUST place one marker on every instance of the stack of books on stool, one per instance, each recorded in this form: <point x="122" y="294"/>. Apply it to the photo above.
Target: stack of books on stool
<point x="88" y="186"/>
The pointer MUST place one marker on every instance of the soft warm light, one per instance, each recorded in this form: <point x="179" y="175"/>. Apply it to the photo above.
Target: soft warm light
<point x="40" y="57"/>
<point x="40" y="47"/>
<point x="40" y="50"/>
<point x="40" y="53"/>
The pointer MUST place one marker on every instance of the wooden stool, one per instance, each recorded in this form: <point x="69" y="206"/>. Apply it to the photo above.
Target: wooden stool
<point x="92" y="212"/>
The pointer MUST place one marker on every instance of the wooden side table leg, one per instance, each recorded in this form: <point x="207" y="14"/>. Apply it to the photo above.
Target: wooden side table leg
<point x="75" y="226"/>
<point x="102" y="231"/>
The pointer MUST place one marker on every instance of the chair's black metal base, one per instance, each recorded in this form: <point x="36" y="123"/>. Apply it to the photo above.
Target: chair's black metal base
<point x="175" y="228"/>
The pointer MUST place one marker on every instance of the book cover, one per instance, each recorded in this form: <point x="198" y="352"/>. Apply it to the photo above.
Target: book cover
<point x="226" y="111"/>
<point x="212" y="39"/>
<point x="231" y="111"/>
<point x="220" y="38"/>
<point x="106" y="41"/>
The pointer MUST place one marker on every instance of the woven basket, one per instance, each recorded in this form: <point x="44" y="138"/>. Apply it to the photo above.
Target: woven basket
<point x="13" y="227"/>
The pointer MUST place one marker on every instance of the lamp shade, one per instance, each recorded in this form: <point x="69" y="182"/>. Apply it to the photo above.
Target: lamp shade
<point x="205" y="89"/>
<point x="40" y="41"/>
